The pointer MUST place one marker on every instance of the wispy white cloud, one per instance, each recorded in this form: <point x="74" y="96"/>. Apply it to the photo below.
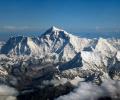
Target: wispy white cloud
<point x="15" y="27"/>
<point x="107" y="29"/>
<point x="89" y="91"/>
<point x="97" y="28"/>
<point x="11" y="28"/>
<point x="7" y="93"/>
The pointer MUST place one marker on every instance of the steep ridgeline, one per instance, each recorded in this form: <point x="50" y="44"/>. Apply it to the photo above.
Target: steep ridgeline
<point x="105" y="57"/>
<point x="59" y="54"/>
<point x="53" y="42"/>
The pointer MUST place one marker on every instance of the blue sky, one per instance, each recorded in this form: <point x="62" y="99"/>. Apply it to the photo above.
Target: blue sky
<point x="71" y="15"/>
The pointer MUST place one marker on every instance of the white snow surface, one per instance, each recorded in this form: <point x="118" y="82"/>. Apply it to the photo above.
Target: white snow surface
<point x="54" y="40"/>
<point x="58" y="45"/>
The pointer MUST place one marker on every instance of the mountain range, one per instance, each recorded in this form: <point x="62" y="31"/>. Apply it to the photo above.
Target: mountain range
<point x="57" y="55"/>
<point x="54" y="40"/>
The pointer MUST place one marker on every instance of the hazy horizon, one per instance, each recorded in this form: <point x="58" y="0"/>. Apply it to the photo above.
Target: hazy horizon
<point x="6" y="35"/>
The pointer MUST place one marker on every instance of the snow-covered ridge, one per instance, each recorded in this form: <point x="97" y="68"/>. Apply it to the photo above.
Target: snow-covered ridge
<point x="57" y="57"/>
<point x="54" y="40"/>
<point x="59" y="50"/>
<point x="60" y="45"/>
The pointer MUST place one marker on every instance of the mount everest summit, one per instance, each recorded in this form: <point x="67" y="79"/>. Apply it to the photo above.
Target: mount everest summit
<point x="54" y="40"/>
<point x="57" y="55"/>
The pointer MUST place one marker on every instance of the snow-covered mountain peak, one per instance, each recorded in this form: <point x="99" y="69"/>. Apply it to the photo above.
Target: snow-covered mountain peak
<point x="56" y="32"/>
<point x="53" y="41"/>
<point x="53" y="28"/>
<point x="107" y="47"/>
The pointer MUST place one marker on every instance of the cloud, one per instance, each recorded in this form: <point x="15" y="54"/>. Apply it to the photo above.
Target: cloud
<point x="89" y="91"/>
<point x="97" y="28"/>
<point x="15" y="27"/>
<point x="7" y="93"/>
<point x="11" y="28"/>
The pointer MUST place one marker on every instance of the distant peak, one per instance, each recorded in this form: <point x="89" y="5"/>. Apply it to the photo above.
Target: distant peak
<point x="56" y="31"/>
<point x="53" y="28"/>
